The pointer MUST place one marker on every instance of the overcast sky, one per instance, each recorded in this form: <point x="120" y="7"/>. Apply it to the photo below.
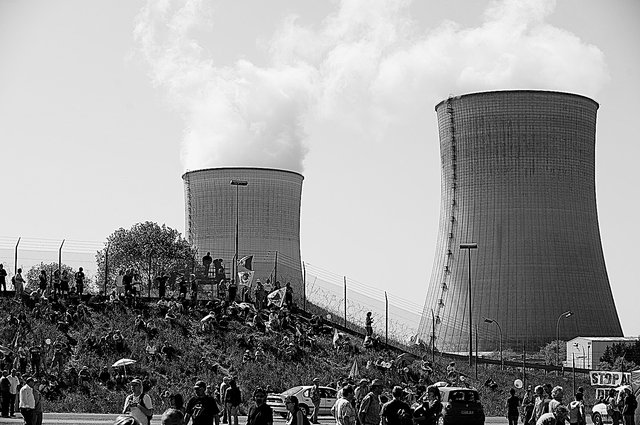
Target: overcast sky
<point x="104" y="104"/>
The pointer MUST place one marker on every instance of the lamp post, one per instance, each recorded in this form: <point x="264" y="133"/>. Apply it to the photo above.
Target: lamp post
<point x="487" y="320"/>
<point x="433" y="338"/>
<point x="566" y="314"/>
<point x="469" y="247"/>
<point x="237" y="184"/>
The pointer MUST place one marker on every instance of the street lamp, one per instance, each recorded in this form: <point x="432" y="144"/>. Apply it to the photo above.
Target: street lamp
<point x="469" y="247"/>
<point x="237" y="184"/>
<point x="487" y="320"/>
<point x="566" y="314"/>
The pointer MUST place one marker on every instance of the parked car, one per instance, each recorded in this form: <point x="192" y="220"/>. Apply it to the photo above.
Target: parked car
<point x="599" y="413"/>
<point x="303" y="393"/>
<point x="461" y="406"/>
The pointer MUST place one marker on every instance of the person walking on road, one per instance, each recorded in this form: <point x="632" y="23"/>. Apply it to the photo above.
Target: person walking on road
<point x="342" y="410"/>
<point x="316" y="397"/>
<point x="260" y="413"/>
<point x="28" y="402"/>
<point x="369" y="413"/>
<point x="202" y="409"/>
<point x="138" y="404"/>
<point x="513" y="404"/>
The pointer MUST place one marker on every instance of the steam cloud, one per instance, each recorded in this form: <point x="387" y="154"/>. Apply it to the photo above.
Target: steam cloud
<point x="367" y="62"/>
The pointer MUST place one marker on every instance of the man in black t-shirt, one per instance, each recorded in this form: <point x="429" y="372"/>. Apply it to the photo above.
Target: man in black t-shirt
<point x="202" y="409"/>
<point x="261" y="413"/>
<point x="396" y="412"/>
<point x="80" y="281"/>
<point x="3" y="279"/>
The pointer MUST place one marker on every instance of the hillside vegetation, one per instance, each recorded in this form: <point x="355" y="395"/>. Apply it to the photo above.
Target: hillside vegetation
<point x="209" y="355"/>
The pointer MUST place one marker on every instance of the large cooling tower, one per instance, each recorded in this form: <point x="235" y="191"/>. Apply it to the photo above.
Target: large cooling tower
<point x="518" y="179"/>
<point x="268" y="217"/>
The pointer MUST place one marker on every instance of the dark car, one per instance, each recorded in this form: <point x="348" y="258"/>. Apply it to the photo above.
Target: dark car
<point x="461" y="406"/>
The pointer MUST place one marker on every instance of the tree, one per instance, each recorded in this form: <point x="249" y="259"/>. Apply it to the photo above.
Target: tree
<point x="619" y="356"/>
<point x="548" y="352"/>
<point x="148" y="249"/>
<point x="32" y="279"/>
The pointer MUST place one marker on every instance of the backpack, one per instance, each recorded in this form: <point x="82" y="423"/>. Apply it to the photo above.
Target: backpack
<point x="143" y="405"/>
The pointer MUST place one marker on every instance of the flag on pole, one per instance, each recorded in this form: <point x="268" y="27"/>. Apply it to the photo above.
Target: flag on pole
<point x="354" y="372"/>
<point x="276" y="297"/>
<point x="336" y="337"/>
<point x="246" y="262"/>
<point x="245" y="278"/>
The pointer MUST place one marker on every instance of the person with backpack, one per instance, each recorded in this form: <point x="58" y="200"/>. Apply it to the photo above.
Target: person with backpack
<point x="396" y="411"/>
<point x="577" y="414"/>
<point x="513" y="403"/>
<point x="138" y="404"/>
<point x="202" y="409"/>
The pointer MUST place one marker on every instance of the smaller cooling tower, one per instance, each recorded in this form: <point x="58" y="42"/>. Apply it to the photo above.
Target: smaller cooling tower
<point x="268" y="214"/>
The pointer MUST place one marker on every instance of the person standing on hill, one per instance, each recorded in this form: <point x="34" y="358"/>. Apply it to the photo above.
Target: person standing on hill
<point x="80" y="282"/>
<point x="3" y="279"/>
<point x="206" y="262"/>
<point x="368" y="324"/>
<point x="18" y="283"/>
<point x="42" y="282"/>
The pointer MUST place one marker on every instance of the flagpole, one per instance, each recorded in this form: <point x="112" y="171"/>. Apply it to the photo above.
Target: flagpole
<point x="345" y="302"/>
<point x="386" y="319"/>
<point x="275" y="271"/>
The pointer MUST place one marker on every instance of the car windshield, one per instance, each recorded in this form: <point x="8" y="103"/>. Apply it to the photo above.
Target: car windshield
<point x="463" y="395"/>
<point x="292" y="391"/>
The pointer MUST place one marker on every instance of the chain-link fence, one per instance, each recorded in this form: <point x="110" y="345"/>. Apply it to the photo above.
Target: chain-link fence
<point x="344" y="299"/>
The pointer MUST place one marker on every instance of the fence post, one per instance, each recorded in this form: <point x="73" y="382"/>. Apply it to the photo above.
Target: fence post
<point x="15" y="264"/>
<point x="345" y="302"/>
<point x="60" y="256"/>
<point x="106" y="269"/>
<point x="386" y="318"/>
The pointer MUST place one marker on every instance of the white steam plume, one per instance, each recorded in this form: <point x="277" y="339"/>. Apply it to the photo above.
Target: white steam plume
<point x="367" y="64"/>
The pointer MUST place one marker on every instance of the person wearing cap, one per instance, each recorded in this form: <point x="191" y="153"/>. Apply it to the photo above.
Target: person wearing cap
<point x="138" y="404"/>
<point x="261" y="413"/>
<point x="202" y="409"/>
<point x="361" y="391"/>
<point x="27" y="401"/>
<point x="396" y="411"/>
<point x="369" y="412"/>
<point x="342" y="410"/>
<point x="430" y="408"/>
<point x="316" y="397"/>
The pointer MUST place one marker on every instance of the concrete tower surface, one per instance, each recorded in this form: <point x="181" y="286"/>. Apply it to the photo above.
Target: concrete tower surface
<point x="268" y="217"/>
<point x="518" y="179"/>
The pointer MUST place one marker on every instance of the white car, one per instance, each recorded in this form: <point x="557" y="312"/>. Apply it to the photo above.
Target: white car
<point x="303" y="393"/>
<point x="599" y="414"/>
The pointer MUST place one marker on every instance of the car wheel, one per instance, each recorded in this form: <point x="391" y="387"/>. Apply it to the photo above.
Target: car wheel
<point x="597" y="419"/>
<point x="305" y="409"/>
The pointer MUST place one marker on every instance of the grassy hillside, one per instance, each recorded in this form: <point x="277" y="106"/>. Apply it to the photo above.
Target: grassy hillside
<point x="210" y="355"/>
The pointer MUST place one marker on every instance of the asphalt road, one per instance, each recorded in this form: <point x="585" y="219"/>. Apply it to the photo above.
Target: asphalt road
<point x="101" y="419"/>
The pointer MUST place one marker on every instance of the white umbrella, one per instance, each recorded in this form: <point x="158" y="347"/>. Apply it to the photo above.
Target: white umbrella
<point x="124" y="363"/>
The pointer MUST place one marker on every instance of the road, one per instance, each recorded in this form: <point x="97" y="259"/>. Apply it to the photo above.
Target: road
<point x="102" y="419"/>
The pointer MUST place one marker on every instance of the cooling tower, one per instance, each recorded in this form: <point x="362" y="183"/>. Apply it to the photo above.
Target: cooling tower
<point x="268" y="216"/>
<point x="518" y="179"/>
